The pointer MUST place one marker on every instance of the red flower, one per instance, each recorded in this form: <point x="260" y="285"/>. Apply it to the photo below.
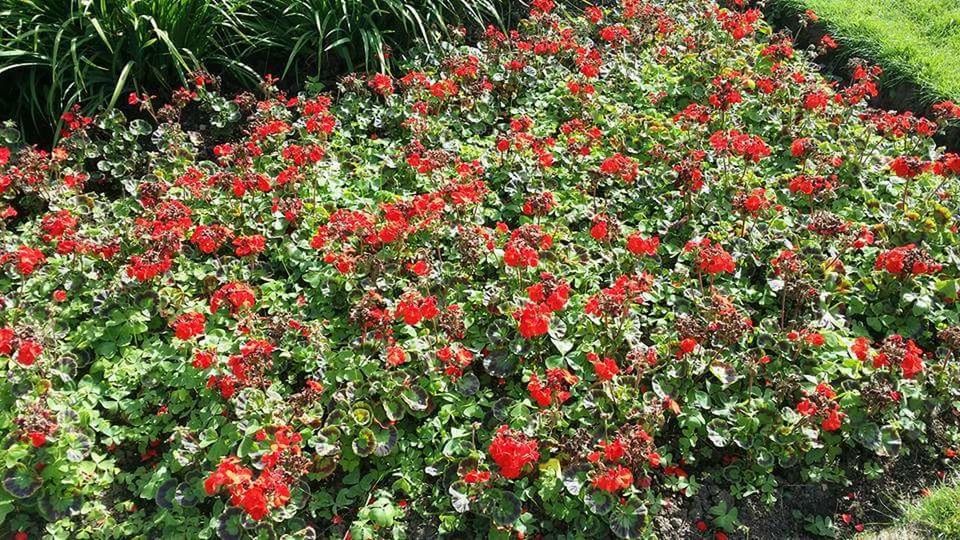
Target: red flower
<point x="834" y="419"/>
<point x="254" y="503"/>
<point x="593" y="14"/>
<point x="539" y="392"/>
<point x="801" y="147"/>
<point x="912" y="362"/>
<point x="37" y="438"/>
<point x="239" y="296"/>
<point x="413" y="308"/>
<point x="907" y="166"/>
<point x="209" y="238"/>
<point x="476" y="477"/>
<point x="59" y="296"/>
<point x="814" y="339"/>
<point x="815" y="101"/>
<point x="249" y="245"/>
<point x="806" y="408"/>
<point x="605" y="369"/>
<point x="908" y="259"/>
<point x="28" y="259"/>
<point x="556" y="390"/>
<point x="534" y="320"/>
<point x="826" y="391"/>
<point x="551" y="293"/>
<point x="381" y="84"/>
<point x="712" y="258"/>
<point x="614" y="450"/>
<point x="599" y="230"/>
<point x="619" y="165"/>
<point x="228" y="472"/>
<point x="396" y="356"/>
<point x="189" y="325"/>
<point x="420" y="268"/>
<point x="687" y="346"/>
<point x="614" y="479"/>
<point x="147" y="268"/>
<point x="512" y="451"/>
<point x="638" y="245"/>
<point x="522" y="248"/>
<point x="860" y="348"/>
<point x="203" y="359"/>
<point x="7" y="337"/>
<point x="28" y="352"/>
<point x="733" y="142"/>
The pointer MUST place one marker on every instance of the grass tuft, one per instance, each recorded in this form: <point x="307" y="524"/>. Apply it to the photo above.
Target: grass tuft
<point x="916" y="40"/>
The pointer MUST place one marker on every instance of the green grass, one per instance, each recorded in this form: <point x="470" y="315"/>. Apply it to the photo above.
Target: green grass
<point x="914" y="39"/>
<point x="935" y="516"/>
<point x="939" y="512"/>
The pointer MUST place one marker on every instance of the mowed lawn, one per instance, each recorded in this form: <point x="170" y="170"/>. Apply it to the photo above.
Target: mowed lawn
<point x="917" y="39"/>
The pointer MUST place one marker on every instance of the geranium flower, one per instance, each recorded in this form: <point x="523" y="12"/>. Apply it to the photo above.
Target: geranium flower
<point x="512" y="451"/>
<point x="474" y="476"/>
<point x="534" y="320"/>
<point x="614" y="479"/>
<point x="188" y="325"/>
<point x="605" y="369"/>
<point x="28" y="352"/>
<point x="638" y="245"/>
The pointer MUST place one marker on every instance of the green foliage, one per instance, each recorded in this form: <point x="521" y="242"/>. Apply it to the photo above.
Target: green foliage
<point x="915" y="40"/>
<point x="307" y="35"/>
<point x="56" y="53"/>
<point x="938" y="512"/>
<point x="546" y="283"/>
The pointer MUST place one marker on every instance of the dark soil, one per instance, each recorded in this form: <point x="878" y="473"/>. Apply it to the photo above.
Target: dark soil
<point x="871" y="503"/>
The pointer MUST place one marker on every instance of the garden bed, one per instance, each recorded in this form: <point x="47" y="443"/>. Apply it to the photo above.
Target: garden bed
<point x="633" y="270"/>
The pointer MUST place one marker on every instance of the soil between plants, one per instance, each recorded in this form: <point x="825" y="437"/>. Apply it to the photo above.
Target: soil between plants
<point x="871" y="502"/>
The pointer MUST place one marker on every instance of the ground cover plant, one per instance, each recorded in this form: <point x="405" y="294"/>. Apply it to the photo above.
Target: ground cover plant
<point x="915" y="40"/>
<point x="554" y="282"/>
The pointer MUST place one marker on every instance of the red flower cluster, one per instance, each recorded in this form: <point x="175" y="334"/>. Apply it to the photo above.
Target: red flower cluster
<point x="615" y="301"/>
<point x="907" y="260"/>
<point x="511" y="450"/>
<point x="557" y="387"/>
<point x="613" y="479"/>
<point x="621" y="166"/>
<point x="711" y="258"/>
<point x="734" y="142"/>
<point x="24" y="350"/>
<point x="474" y="476"/>
<point x="209" y="238"/>
<point x="898" y="351"/>
<point x="413" y="308"/>
<point x="239" y="296"/>
<point x="822" y="405"/>
<point x="908" y="166"/>
<point x="26" y="259"/>
<point x="249" y="245"/>
<point x="455" y="360"/>
<point x="524" y="246"/>
<point x="605" y="369"/>
<point x="546" y="297"/>
<point x="255" y="496"/>
<point x="638" y="245"/>
<point x="188" y="325"/>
